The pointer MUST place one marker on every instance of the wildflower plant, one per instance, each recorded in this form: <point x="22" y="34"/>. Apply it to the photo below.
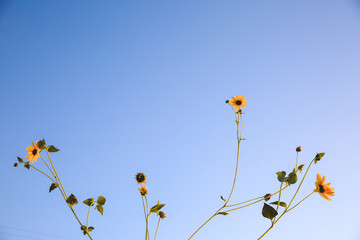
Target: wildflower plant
<point x="273" y="210"/>
<point x="33" y="154"/>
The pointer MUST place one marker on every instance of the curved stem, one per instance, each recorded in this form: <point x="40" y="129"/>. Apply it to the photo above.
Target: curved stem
<point x="87" y="220"/>
<point x="237" y="156"/>
<point x="47" y="165"/>
<point x="244" y="206"/>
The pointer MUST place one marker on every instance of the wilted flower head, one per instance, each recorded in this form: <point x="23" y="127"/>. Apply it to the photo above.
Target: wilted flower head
<point x="162" y="214"/>
<point x="238" y="101"/>
<point x="33" y="152"/>
<point x="323" y="188"/>
<point x="298" y="149"/>
<point x="140" y="178"/>
<point x="143" y="190"/>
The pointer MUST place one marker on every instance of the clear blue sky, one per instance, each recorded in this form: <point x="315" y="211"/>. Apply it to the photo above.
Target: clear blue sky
<point x="128" y="86"/>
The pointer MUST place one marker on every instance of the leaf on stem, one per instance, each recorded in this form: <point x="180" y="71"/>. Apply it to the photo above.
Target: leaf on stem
<point x="292" y="178"/>
<point x="281" y="176"/>
<point x="41" y="144"/>
<point x="53" y="186"/>
<point x="52" y="148"/>
<point x="100" y="209"/>
<point x="222" y="198"/>
<point x="27" y="165"/>
<point x="16" y="164"/>
<point x="71" y="200"/>
<point x="101" y="200"/>
<point x="301" y="167"/>
<point x="86" y="230"/>
<point x="283" y="204"/>
<point x="89" y="202"/>
<point x="157" y="207"/>
<point x="223" y="213"/>
<point x="269" y="212"/>
<point x="20" y="160"/>
<point x="319" y="156"/>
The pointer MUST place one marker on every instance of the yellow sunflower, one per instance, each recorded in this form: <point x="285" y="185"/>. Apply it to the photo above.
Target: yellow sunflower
<point x="143" y="190"/>
<point x="33" y="153"/>
<point x="238" y="101"/>
<point x="323" y="188"/>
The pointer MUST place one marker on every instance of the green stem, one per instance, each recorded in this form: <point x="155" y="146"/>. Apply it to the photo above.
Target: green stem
<point x="87" y="220"/>
<point x="277" y="208"/>
<point x="300" y="202"/>
<point x="157" y="228"/>
<point x="147" y="218"/>
<point x="57" y="175"/>
<point x="47" y="165"/>
<point x="42" y="173"/>
<point x="302" y="180"/>
<point x="297" y="157"/>
<point x="237" y="156"/>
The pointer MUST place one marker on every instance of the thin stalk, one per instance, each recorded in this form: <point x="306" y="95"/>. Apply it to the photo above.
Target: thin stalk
<point x="245" y="202"/>
<point x="146" y="219"/>
<point x="157" y="228"/>
<point x="297" y="157"/>
<point x="237" y="116"/>
<point x="57" y="175"/>
<point x="42" y="173"/>
<point x="243" y="206"/>
<point x="237" y="156"/>
<point x="300" y="202"/>
<point x="277" y="208"/>
<point x="87" y="220"/>
<point x="47" y="165"/>
<point x="297" y="190"/>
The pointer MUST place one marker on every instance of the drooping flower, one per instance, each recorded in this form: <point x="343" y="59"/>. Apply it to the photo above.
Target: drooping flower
<point x="238" y="101"/>
<point x="140" y="178"/>
<point x="323" y="188"/>
<point x="33" y="152"/>
<point x="143" y="190"/>
<point x="162" y="214"/>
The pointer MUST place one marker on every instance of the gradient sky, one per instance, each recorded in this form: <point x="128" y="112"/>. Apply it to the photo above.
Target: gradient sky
<point x="128" y="86"/>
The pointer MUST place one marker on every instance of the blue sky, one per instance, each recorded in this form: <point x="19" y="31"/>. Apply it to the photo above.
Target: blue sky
<point x="128" y="86"/>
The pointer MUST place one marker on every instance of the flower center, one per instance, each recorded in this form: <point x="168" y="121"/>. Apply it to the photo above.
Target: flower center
<point x="321" y="189"/>
<point x="140" y="178"/>
<point x="34" y="152"/>
<point x="238" y="102"/>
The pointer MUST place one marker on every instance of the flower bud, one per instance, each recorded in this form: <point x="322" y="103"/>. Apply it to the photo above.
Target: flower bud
<point x="162" y="215"/>
<point x="298" y="149"/>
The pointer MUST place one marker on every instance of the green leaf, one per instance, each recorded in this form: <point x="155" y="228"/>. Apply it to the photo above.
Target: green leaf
<point x="41" y="144"/>
<point x="269" y="212"/>
<point x="292" y="178"/>
<point x="222" y="198"/>
<point x="16" y="164"/>
<point x="101" y="200"/>
<point x="89" y="202"/>
<point x="157" y="207"/>
<point x="318" y="157"/>
<point x="27" y="165"/>
<point x="53" y="149"/>
<point x="71" y="200"/>
<point x="223" y="213"/>
<point x="86" y="230"/>
<point x="283" y="204"/>
<point x="91" y="229"/>
<point x="100" y="209"/>
<point x="301" y="167"/>
<point x="53" y="186"/>
<point x="20" y="160"/>
<point x="281" y="176"/>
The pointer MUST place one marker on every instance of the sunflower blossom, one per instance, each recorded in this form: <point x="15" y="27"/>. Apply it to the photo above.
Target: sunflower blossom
<point x="238" y="102"/>
<point x="33" y="152"/>
<point x="323" y="188"/>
